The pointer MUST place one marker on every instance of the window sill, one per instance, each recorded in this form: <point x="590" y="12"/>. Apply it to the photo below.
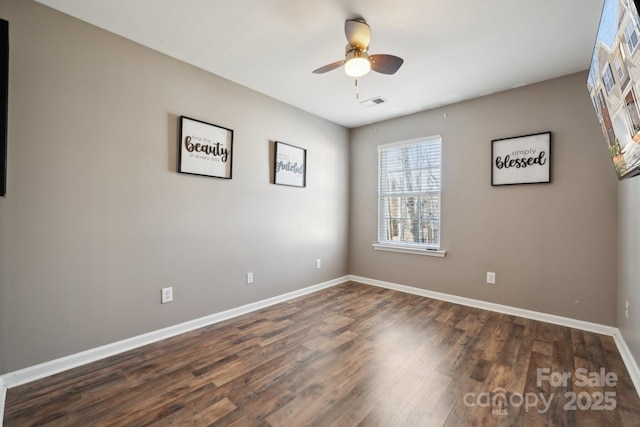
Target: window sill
<point x="409" y="250"/>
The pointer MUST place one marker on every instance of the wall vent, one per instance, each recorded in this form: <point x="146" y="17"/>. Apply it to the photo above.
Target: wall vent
<point x="374" y="101"/>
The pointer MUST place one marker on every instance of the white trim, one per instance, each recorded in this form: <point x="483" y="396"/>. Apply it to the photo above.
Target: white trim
<point x="32" y="373"/>
<point x="628" y="359"/>
<point x="409" y="250"/>
<point x="3" y="399"/>
<point x="625" y="352"/>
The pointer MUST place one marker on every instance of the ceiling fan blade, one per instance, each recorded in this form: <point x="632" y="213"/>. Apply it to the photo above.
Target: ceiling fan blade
<point x="358" y="33"/>
<point x="329" y="67"/>
<point x="385" y="64"/>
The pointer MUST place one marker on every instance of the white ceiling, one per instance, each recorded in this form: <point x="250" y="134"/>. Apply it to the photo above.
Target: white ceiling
<point x="453" y="50"/>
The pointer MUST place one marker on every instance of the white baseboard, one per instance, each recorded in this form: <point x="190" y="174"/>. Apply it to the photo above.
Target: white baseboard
<point x="612" y="331"/>
<point x="3" y="398"/>
<point x="32" y="373"/>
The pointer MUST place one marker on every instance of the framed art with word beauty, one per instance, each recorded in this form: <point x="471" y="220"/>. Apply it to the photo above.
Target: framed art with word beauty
<point x="521" y="160"/>
<point x="205" y="149"/>
<point x="290" y="165"/>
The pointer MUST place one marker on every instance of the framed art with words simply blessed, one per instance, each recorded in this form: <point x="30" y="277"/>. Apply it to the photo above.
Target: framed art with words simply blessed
<point x="205" y="149"/>
<point x="521" y="160"/>
<point x="290" y="165"/>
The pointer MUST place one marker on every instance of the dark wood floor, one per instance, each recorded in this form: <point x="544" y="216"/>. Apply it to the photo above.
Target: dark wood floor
<point x="345" y="356"/>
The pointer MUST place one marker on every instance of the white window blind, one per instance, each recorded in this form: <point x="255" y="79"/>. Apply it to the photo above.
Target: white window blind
<point x="409" y="186"/>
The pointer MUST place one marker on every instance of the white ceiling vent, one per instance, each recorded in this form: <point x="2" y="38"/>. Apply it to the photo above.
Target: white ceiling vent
<point x="374" y="101"/>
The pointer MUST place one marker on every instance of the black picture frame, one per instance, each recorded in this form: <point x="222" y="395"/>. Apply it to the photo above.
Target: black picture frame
<point x="290" y="165"/>
<point x="205" y="149"/>
<point x="521" y="160"/>
<point x="4" y="103"/>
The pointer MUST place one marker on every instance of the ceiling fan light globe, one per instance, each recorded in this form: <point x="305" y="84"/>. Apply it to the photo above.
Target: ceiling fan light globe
<point x="357" y="64"/>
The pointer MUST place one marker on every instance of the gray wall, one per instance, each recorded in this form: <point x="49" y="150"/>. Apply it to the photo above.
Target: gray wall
<point x="97" y="220"/>
<point x="628" y="265"/>
<point x="549" y="244"/>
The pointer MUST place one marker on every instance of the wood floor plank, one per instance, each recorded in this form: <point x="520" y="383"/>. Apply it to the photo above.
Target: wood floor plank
<point x="350" y="355"/>
<point x="199" y="413"/>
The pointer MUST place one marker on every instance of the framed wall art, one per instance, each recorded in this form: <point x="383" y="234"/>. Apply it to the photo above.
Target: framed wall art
<point x="290" y="165"/>
<point x="205" y="149"/>
<point x="521" y="160"/>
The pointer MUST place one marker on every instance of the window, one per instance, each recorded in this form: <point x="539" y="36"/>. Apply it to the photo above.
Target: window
<point x="603" y="104"/>
<point x="633" y="113"/>
<point x="409" y="185"/>
<point x="631" y="35"/>
<point x="619" y="69"/>
<point x="623" y="77"/>
<point x="607" y="78"/>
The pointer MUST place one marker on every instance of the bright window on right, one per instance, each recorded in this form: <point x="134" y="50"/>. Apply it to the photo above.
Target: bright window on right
<point x="409" y="189"/>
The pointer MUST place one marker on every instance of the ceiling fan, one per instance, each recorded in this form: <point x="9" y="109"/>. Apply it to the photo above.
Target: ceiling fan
<point x="357" y="60"/>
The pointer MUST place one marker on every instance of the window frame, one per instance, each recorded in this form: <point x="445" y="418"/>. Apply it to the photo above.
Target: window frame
<point x="631" y="36"/>
<point x="608" y="79"/>
<point x="403" y="246"/>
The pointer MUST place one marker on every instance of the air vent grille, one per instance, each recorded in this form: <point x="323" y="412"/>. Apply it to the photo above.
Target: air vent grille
<point x="373" y="102"/>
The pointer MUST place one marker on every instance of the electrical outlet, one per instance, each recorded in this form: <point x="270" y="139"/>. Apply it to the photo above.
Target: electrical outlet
<point x="167" y="295"/>
<point x="318" y="263"/>
<point x="626" y="309"/>
<point x="249" y="278"/>
<point x="491" y="278"/>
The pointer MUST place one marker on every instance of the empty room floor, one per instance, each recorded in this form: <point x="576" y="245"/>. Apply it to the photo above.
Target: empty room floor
<point x="348" y="355"/>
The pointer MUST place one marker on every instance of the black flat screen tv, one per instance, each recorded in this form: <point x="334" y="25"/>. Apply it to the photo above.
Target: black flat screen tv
<point x="614" y="83"/>
<point x="4" y="99"/>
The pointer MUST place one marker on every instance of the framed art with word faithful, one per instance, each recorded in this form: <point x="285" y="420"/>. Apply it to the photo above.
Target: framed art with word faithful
<point x="290" y="165"/>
